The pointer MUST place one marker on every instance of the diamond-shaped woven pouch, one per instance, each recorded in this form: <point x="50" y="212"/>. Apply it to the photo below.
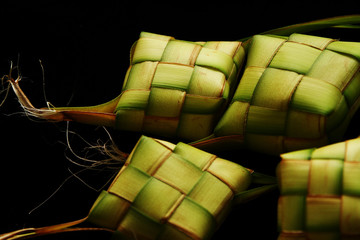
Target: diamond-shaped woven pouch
<point x="320" y="192"/>
<point x="296" y="92"/>
<point x="167" y="191"/>
<point x="177" y="88"/>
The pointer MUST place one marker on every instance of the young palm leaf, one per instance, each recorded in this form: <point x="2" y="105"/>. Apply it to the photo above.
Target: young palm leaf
<point x="296" y="92"/>
<point x="167" y="191"/>
<point x="172" y="88"/>
<point x="320" y="192"/>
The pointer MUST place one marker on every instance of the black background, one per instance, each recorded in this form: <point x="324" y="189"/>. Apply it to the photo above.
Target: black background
<point x="84" y="48"/>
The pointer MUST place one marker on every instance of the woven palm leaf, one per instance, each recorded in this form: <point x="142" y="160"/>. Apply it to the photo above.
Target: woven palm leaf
<point x="172" y="88"/>
<point x="166" y="191"/>
<point x="177" y="88"/>
<point x="295" y="93"/>
<point x="320" y="192"/>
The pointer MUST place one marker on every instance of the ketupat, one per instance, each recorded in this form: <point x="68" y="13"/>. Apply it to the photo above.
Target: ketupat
<point x="172" y="88"/>
<point x="296" y="92"/>
<point x="320" y="193"/>
<point x="167" y="191"/>
<point x="180" y="192"/>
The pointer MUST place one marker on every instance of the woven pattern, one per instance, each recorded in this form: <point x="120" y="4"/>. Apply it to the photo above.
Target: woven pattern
<point x="177" y="88"/>
<point x="320" y="192"/>
<point x="169" y="192"/>
<point x="295" y="93"/>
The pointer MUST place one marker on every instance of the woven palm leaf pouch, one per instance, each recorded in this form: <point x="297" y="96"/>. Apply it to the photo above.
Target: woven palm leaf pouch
<point x="296" y="92"/>
<point x="167" y="191"/>
<point x="177" y="88"/>
<point x="172" y="88"/>
<point x="170" y="192"/>
<point x="320" y="193"/>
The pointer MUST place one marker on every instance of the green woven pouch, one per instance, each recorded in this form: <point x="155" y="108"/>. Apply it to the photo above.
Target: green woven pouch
<point x="177" y="88"/>
<point x="320" y="192"/>
<point x="168" y="191"/>
<point x="295" y="93"/>
<point x="172" y="88"/>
